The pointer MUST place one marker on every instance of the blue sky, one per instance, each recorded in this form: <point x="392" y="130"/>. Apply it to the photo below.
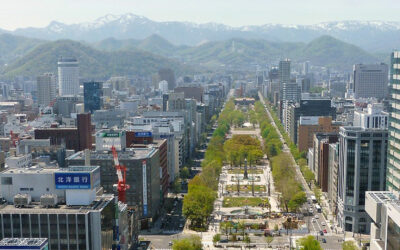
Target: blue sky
<point x="38" y="13"/>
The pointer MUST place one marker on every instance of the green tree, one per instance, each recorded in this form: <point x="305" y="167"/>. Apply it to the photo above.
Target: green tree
<point x="349" y="245"/>
<point x="216" y="238"/>
<point x="193" y="242"/>
<point x="185" y="173"/>
<point x="297" y="201"/>
<point x="241" y="226"/>
<point x="309" y="243"/>
<point x="318" y="194"/>
<point x="176" y="186"/>
<point x="226" y="226"/>
<point x="198" y="205"/>
<point x="269" y="240"/>
<point x="308" y="175"/>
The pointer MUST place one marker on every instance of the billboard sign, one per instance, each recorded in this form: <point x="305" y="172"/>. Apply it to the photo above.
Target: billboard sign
<point x="71" y="180"/>
<point x="110" y="134"/>
<point x="143" y="134"/>
<point x="144" y="172"/>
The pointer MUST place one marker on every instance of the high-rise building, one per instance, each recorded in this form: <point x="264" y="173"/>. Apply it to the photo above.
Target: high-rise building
<point x="307" y="107"/>
<point x="305" y="67"/>
<point x="46" y="89"/>
<point x="370" y="80"/>
<point x="362" y="167"/>
<point x="393" y="164"/>
<point x="68" y="76"/>
<point x="92" y="96"/>
<point x="290" y="92"/>
<point x="167" y="75"/>
<point x="284" y="71"/>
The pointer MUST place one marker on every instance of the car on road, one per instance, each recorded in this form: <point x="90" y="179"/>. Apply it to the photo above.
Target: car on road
<point x="321" y="233"/>
<point x="323" y="223"/>
<point x="310" y="211"/>
<point x="170" y="243"/>
<point x="316" y="216"/>
<point x="314" y="220"/>
<point x="323" y="240"/>
<point x="324" y="231"/>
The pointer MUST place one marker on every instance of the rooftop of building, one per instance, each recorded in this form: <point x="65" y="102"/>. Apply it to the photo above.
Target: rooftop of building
<point x="127" y="154"/>
<point x="361" y="129"/>
<point x="36" y="208"/>
<point x="22" y="242"/>
<point x="381" y="196"/>
<point x="39" y="169"/>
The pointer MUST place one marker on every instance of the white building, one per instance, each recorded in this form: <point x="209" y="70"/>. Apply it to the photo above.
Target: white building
<point x="46" y="89"/>
<point x="372" y="117"/>
<point x="68" y="76"/>
<point x="384" y="209"/>
<point x="163" y="86"/>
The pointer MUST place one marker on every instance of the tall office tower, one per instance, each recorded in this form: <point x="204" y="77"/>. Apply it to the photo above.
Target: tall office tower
<point x="362" y="167"/>
<point x="370" y="80"/>
<point x="290" y="92"/>
<point x="68" y="76"/>
<point x="46" y="89"/>
<point x="92" y="96"/>
<point x="284" y="71"/>
<point x="167" y="75"/>
<point x="305" y="85"/>
<point x="305" y="67"/>
<point x="393" y="157"/>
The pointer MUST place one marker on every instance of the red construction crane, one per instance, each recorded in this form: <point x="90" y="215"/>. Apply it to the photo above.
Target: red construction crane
<point x="121" y="173"/>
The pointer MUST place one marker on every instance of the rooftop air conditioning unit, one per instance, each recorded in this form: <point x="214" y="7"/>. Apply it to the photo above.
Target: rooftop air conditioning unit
<point x="21" y="200"/>
<point x="48" y="200"/>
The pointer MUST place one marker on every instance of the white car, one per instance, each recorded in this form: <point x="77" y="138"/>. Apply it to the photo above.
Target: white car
<point x="323" y="224"/>
<point x="316" y="216"/>
<point x="313" y="220"/>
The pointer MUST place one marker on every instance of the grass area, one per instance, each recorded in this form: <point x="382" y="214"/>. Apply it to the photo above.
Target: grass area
<point x="241" y="171"/>
<point x="241" y="201"/>
<point x="245" y="129"/>
<point x="245" y="188"/>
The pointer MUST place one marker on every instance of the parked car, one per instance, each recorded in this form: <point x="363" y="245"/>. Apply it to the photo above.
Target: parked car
<point x="321" y="233"/>
<point x="323" y="240"/>
<point x="323" y="223"/>
<point x="324" y="231"/>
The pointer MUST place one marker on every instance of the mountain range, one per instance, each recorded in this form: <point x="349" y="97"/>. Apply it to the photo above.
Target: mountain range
<point x="93" y="63"/>
<point x="127" y="57"/>
<point x="374" y="36"/>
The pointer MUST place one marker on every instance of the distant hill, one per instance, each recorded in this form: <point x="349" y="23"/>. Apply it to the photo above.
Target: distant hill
<point x="13" y="47"/>
<point x="374" y="36"/>
<point x="93" y="63"/>
<point x="125" y="57"/>
<point x="322" y="51"/>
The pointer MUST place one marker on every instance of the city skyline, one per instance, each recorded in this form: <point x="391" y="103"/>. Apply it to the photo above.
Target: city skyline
<point x="22" y="13"/>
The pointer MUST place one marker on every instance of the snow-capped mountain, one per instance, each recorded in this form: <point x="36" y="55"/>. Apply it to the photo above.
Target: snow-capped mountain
<point x="379" y="36"/>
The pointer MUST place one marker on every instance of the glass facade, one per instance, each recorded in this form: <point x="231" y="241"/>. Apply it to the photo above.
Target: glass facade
<point x="393" y="157"/>
<point x="92" y="96"/>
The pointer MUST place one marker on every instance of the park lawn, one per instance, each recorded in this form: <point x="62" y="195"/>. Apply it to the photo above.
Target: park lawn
<point x="241" y="171"/>
<point x="242" y="201"/>
<point x="245" y="188"/>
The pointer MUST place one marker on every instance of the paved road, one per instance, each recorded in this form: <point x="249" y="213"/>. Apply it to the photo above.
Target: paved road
<point x="320" y="223"/>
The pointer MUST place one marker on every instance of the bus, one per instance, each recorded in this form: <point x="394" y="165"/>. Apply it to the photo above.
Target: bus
<point x="313" y="199"/>
<point x="318" y="207"/>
